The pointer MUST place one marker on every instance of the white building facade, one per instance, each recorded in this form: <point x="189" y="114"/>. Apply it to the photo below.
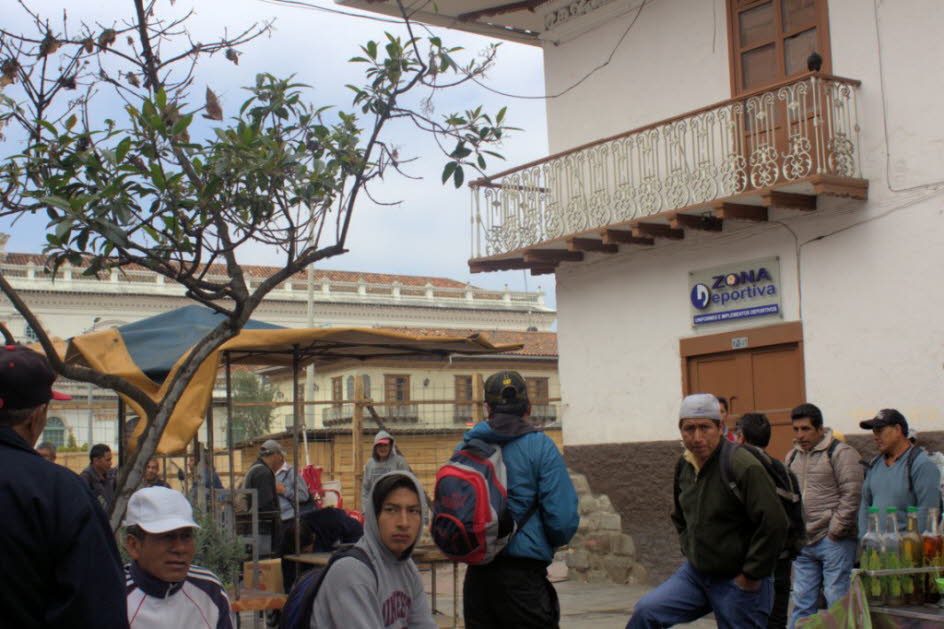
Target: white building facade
<point x="72" y="304"/>
<point x="692" y="148"/>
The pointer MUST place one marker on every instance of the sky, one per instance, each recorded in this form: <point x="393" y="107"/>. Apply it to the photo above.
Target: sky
<point x="427" y="232"/>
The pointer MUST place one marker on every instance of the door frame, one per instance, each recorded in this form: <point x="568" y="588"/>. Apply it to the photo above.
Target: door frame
<point x="777" y="334"/>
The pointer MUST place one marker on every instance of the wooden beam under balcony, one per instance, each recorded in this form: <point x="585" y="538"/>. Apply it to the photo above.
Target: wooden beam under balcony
<point x="695" y="221"/>
<point x="657" y="230"/>
<point x="844" y="187"/>
<point x="505" y="264"/>
<point x="739" y="212"/>
<point x="543" y="269"/>
<point x="788" y="200"/>
<point x="551" y="256"/>
<point x="621" y="237"/>
<point x="590" y="244"/>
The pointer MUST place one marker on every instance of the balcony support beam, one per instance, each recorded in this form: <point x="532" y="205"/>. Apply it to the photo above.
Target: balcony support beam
<point x="551" y="256"/>
<point x="621" y="237"/>
<point x="505" y="264"/>
<point x="788" y="200"/>
<point x="692" y="221"/>
<point x="590" y="244"/>
<point x="740" y="212"/>
<point x="540" y="269"/>
<point x="657" y="230"/>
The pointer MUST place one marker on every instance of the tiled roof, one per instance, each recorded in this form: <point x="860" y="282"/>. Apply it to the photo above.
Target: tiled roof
<point x="535" y="343"/>
<point x="261" y="272"/>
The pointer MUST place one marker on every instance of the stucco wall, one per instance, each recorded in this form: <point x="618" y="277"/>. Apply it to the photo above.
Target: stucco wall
<point x="863" y="277"/>
<point x="674" y="59"/>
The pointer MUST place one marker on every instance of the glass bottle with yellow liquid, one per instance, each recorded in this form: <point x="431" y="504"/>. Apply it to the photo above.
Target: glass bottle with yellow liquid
<point x="933" y="555"/>
<point x="912" y="556"/>
<point x="891" y="560"/>
<point x="871" y="549"/>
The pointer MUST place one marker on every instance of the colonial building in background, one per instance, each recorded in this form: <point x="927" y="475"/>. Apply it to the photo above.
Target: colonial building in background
<point x="72" y="304"/>
<point x="743" y="197"/>
<point x="418" y="394"/>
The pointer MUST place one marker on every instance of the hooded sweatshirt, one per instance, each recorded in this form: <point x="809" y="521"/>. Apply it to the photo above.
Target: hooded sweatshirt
<point x="376" y="468"/>
<point x="351" y="597"/>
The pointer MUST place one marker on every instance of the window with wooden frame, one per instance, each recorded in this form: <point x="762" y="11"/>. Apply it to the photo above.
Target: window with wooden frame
<point x="396" y="388"/>
<point x="537" y="390"/>
<point x="337" y="390"/>
<point x="463" y="393"/>
<point x="771" y="40"/>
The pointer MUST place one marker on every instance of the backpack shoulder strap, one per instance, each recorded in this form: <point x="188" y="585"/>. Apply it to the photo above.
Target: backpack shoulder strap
<point x="793" y="456"/>
<point x="727" y="468"/>
<point x="913" y="453"/>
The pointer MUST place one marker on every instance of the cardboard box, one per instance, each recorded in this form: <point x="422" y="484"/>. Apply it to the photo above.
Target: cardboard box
<point x="270" y="575"/>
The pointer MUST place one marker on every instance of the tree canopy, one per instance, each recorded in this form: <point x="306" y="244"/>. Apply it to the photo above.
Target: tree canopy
<point x="148" y="189"/>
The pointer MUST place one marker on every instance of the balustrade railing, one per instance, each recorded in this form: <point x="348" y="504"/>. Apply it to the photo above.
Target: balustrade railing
<point x="782" y="134"/>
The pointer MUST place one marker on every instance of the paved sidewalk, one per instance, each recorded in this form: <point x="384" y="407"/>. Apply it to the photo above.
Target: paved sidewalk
<point x="583" y="605"/>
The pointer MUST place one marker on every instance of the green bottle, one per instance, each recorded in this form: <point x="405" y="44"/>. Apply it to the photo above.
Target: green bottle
<point x="891" y="559"/>
<point x="871" y="549"/>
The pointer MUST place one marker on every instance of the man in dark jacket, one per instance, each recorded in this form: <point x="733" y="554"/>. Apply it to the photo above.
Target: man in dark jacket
<point x="261" y="477"/>
<point x="61" y="565"/>
<point x="512" y="592"/>
<point x="730" y="546"/>
<point x="100" y="476"/>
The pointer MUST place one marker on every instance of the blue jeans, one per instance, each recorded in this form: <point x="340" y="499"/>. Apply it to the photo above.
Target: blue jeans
<point x="825" y="564"/>
<point x="688" y="595"/>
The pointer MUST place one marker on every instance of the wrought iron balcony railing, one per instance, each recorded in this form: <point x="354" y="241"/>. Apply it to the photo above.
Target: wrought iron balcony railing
<point x="791" y="133"/>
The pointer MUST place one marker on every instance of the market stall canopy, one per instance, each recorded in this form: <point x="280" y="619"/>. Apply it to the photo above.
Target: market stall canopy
<point x="149" y="352"/>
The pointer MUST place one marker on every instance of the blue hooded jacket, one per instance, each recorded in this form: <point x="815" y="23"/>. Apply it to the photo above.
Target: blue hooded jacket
<point x="536" y="472"/>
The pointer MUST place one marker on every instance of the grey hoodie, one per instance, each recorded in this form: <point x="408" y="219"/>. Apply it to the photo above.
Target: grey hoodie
<point x="376" y="468"/>
<point x="351" y="598"/>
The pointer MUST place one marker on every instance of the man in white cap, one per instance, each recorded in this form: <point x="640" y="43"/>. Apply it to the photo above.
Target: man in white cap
<point x="163" y="588"/>
<point x="730" y="544"/>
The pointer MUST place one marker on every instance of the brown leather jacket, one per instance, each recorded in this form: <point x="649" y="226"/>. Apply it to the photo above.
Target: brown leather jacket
<point x="831" y="488"/>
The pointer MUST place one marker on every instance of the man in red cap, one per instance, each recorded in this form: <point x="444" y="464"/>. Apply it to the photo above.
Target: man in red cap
<point x="61" y="564"/>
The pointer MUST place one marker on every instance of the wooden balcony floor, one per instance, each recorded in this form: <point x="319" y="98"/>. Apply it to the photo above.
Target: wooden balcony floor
<point x="800" y="195"/>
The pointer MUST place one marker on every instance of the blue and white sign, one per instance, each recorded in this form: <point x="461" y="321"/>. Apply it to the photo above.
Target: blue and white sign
<point x="742" y="290"/>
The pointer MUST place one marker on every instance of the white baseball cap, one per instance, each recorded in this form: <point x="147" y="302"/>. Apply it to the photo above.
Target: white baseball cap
<point x="159" y="509"/>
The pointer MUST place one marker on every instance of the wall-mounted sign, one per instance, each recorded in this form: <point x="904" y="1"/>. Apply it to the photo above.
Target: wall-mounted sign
<point x="741" y="290"/>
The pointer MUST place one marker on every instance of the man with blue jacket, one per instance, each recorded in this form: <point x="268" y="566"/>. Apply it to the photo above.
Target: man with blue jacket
<point x="513" y="590"/>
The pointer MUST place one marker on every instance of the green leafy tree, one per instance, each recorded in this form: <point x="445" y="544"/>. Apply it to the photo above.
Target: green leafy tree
<point x="252" y="414"/>
<point x="150" y="188"/>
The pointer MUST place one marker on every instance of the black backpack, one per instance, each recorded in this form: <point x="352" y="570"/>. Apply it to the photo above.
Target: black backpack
<point x="788" y="490"/>
<point x="299" y="605"/>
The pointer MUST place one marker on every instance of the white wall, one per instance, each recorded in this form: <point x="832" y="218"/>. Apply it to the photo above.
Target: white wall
<point x="674" y="59"/>
<point x="872" y="298"/>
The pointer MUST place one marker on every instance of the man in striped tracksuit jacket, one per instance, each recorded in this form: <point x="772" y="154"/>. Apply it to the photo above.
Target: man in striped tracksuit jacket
<point x="163" y="588"/>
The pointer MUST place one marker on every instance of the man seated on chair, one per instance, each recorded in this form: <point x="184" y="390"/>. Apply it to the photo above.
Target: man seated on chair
<point x="163" y="588"/>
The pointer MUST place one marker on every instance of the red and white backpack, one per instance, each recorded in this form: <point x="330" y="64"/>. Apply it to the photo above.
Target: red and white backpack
<point x="471" y="521"/>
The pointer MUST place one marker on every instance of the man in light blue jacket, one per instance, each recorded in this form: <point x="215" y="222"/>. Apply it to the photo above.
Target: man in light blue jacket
<point x="513" y="590"/>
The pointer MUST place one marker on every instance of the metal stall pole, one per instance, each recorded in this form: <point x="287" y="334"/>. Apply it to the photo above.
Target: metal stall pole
<point x="296" y="416"/>
<point x="211" y="460"/>
<point x="229" y="446"/>
<point x="121" y="432"/>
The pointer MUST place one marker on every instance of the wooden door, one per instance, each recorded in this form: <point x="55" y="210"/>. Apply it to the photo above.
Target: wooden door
<point x="765" y="380"/>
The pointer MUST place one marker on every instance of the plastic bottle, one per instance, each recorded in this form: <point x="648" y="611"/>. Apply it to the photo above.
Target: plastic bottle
<point x="891" y="559"/>
<point x="933" y="555"/>
<point x="871" y="548"/>
<point x="912" y="556"/>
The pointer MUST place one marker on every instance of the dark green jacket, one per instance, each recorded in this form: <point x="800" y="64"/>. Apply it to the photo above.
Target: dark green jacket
<point x="719" y="535"/>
